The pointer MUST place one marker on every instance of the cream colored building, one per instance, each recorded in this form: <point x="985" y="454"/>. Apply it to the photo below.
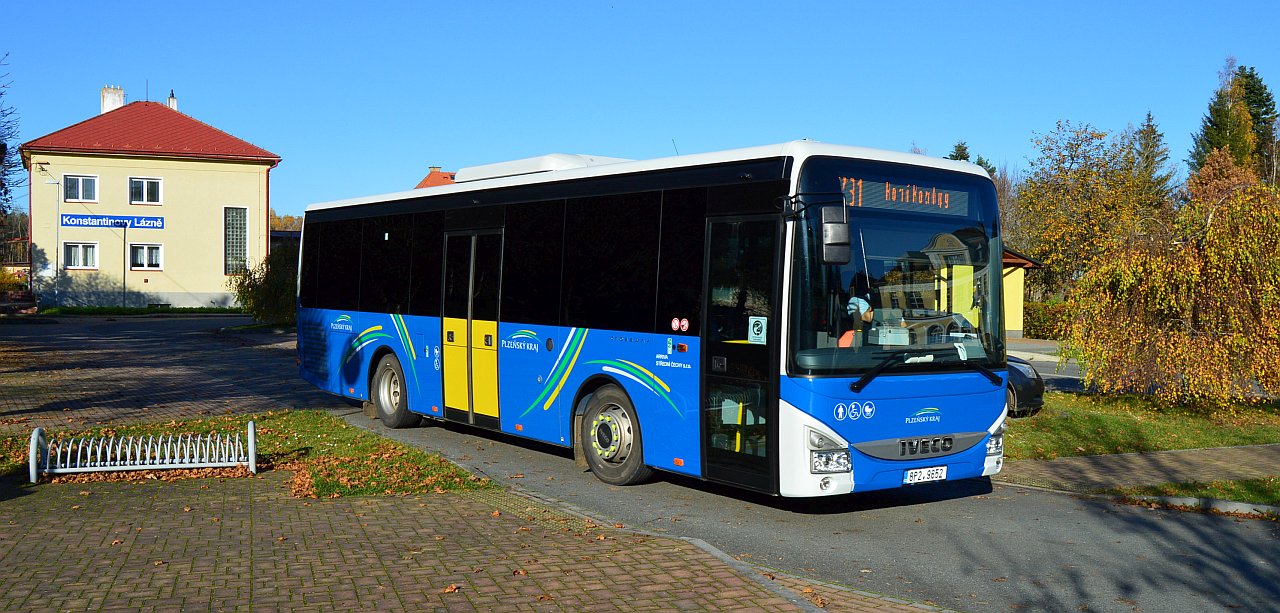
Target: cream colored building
<point x="1014" y="276"/>
<point x="143" y="205"/>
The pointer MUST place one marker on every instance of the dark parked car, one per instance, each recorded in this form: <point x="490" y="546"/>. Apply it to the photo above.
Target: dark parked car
<point x="1026" y="388"/>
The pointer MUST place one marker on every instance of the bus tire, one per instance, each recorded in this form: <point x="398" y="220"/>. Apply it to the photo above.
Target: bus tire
<point x="610" y="440"/>
<point x="387" y="394"/>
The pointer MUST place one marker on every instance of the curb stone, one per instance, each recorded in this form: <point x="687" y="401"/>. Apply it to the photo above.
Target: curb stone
<point x="1208" y="504"/>
<point x="1202" y="504"/>
<point x="783" y="577"/>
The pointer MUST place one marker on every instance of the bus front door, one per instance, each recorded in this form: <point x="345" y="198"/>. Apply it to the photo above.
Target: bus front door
<point x="472" y="271"/>
<point x="740" y="332"/>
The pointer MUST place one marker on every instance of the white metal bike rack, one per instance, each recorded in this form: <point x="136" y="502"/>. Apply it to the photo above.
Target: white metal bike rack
<point x="101" y="454"/>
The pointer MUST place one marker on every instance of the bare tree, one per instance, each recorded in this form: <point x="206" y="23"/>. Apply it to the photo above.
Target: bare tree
<point x="1012" y="225"/>
<point x="10" y="177"/>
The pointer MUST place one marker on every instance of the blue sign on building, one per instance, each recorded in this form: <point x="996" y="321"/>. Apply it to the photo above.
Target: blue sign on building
<point x="112" y="221"/>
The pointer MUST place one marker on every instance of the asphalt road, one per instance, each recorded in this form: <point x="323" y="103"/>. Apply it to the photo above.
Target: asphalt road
<point x="970" y="545"/>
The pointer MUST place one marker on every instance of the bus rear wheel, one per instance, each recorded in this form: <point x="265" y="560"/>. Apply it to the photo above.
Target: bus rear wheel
<point x="609" y="439"/>
<point x="388" y="394"/>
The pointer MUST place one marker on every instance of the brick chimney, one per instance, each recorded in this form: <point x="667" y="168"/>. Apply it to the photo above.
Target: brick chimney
<point x="172" y="101"/>
<point x="112" y="98"/>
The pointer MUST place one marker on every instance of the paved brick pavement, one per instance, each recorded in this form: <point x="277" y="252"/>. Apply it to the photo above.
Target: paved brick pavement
<point x="246" y="545"/>
<point x="86" y="371"/>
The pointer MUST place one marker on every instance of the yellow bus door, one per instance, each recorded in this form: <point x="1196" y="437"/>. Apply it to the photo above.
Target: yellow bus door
<point x="469" y="325"/>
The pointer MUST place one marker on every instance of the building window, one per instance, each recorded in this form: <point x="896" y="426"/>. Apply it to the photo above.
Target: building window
<point x="80" y="256"/>
<point x="144" y="191"/>
<point x="79" y="188"/>
<point x="915" y="300"/>
<point x="235" y="240"/>
<point x="146" y="257"/>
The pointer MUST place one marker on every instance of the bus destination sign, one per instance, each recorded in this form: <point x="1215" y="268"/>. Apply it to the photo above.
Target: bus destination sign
<point x="914" y="197"/>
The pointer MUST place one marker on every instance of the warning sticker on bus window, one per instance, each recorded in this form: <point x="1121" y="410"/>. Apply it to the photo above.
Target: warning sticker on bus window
<point x="757" y="329"/>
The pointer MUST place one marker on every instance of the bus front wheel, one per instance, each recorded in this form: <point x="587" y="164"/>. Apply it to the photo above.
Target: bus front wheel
<point x="388" y="394"/>
<point x="609" y="438"/>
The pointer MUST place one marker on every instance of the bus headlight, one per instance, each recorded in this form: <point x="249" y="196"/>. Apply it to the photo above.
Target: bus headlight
<point x="995" y="444"/>
<point x="826" y="455"/>
<point x="830" y="461"/>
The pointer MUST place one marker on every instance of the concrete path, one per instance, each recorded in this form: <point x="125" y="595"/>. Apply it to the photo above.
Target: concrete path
<point x="1092" y="473"/>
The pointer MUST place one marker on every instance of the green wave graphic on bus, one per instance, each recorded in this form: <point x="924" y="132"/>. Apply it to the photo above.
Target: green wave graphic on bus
<point x="559" y="371"/>
<point x="403" y="331"/>
<point x="370" y="335"/>
<point x="523" y="334"/>
<point x="640" y="375"/>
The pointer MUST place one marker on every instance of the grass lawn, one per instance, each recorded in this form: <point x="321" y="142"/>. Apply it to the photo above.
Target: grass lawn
<point x="1255" y="491"/>
<point x="1078" y="424"/>
<point x="328" y="457"/>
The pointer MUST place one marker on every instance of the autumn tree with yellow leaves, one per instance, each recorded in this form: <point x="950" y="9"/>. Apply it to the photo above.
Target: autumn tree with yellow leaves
<point x="1188" y="309"/>
<point x="1083" y="196"/>
<point x="285" y="222"/>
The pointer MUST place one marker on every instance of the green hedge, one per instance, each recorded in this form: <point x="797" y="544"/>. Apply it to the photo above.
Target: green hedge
<point x="268" y="291"/>
<point x="1047" y="320"/>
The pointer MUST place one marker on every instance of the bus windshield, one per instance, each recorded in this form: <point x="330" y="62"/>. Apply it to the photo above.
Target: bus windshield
<point x="921" y="292"/>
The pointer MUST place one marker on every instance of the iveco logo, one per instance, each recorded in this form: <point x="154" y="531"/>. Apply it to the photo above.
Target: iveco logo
<point x="925" y="446"/>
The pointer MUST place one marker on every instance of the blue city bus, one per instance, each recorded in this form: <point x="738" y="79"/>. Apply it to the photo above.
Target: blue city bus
<point x="799" y="319"/>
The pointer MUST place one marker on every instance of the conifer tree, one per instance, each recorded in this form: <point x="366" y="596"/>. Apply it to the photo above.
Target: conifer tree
<point x="1151" y="160"/>
<point x="1227" y="125"/>
<point x="1262" y="113"/>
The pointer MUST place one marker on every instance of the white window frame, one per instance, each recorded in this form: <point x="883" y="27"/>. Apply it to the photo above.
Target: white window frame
<point x="81" y="245"/>
<point x="159" y="191"/>
<point x="145" y="266"/>
<point x="80" y="187"/>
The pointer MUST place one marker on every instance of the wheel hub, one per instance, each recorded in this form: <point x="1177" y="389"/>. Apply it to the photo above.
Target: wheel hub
<point x="611" y="435"/>
<point x="390" y="388"/>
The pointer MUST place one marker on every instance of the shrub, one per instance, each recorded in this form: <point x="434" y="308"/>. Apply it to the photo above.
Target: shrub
<point x="267" y="291"/>
<point x="1047" y="320"/>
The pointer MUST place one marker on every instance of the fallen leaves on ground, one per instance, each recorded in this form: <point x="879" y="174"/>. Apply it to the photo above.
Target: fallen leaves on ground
<point x="164" y="475"/>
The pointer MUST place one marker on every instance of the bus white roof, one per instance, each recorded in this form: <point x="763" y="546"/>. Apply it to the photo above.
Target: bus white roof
<point x="544" y="163"/>
<point x="561" y="167"/>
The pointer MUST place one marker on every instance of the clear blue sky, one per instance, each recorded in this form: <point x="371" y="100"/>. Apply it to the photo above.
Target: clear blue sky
<point x="360" y="98"/>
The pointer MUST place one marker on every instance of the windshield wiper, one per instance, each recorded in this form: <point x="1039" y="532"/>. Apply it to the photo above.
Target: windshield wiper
<point x="884" y="365"/>
<point x="986" y="372"/>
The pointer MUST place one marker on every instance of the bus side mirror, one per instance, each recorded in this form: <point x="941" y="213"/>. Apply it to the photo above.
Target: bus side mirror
<point x="835" y="236"/>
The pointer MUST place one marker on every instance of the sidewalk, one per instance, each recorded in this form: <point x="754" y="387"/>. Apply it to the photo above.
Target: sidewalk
<point x="245" y="544"/>
<point x="1092" y="473"/>
<point x="1042" y="353"/>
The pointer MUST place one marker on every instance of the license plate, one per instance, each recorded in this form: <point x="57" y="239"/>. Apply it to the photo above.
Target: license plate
<point x="924" y="475"/>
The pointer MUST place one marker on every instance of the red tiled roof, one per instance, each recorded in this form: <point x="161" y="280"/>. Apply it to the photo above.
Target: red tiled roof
<point x="1013" y="259"/>
<point x="147" y="128"/>
<point x="434" y="178"/>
